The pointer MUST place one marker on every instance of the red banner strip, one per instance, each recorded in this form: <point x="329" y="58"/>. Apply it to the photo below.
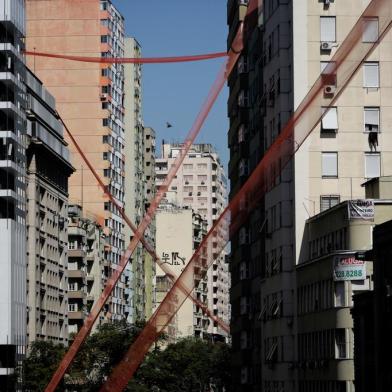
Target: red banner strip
<point x="124" y="60"/>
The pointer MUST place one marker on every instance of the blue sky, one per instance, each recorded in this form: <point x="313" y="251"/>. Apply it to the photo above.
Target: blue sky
<point x="175" y="92"/>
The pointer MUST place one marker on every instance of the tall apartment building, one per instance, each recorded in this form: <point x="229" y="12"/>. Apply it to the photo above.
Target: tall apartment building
<point x="201" y="184"/>
<point x="150" y="233"/>
<point x="48" y="170"/>
<point x="90" y="99"/>
<point x="288" y="45"/>
<point x="134" y="175"/>
<point x="179" y="233"/>
<point x="88" y="270"/>
<point x="12" y="187"/>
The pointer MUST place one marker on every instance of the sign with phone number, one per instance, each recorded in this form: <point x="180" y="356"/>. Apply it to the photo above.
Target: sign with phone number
<point x="348" y="268"/>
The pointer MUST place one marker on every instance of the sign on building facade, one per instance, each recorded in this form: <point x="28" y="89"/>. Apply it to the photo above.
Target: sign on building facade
<point x="361" y="209"/>
<point x="346" y="267"/>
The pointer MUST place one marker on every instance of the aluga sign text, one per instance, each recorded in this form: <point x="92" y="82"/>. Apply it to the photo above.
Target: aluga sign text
<point x="348" y="268"/>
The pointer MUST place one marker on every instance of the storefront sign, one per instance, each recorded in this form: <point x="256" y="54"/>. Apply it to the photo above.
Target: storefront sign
<point x="346" y="267"/>
<point x="361" y="209"/>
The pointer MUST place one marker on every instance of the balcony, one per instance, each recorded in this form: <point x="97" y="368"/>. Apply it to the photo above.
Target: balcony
<point x="90" y="278"/>
<point x="76" y="315"/>
<point x="78" y="294"/>
<point x="76" y="274"/>
<point x="76" y="253"/>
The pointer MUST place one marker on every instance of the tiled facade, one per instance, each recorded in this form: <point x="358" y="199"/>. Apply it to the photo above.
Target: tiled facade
<point x="90" y="99"/>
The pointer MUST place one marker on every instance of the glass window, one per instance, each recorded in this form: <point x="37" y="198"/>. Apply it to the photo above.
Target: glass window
<point x="329" y="164"/>
<point x="340" y="294"/>
<point x="372" y="165"/>
<point x="327" y="202"/>
<point x="328" y="29"/>
<point x="370" y="30"/>
<point x="371" y="75"/>
<point x="371" y="119"/>
<point x="341" y="345"/>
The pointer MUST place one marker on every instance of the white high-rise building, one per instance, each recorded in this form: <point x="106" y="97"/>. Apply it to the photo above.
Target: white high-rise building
<point x="201" y="185"/>
<point x="288" y="45"/>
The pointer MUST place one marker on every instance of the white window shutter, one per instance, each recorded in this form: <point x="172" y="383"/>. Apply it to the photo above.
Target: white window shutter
<point x="329" y="164"/>
<point x="372" y="165"/>
<point x="372" y="119"/>
<point x="370" y="30"/>
<point x="371" y="75"/>
<point x="330" y="119"/>
<point x="328" y="29"/>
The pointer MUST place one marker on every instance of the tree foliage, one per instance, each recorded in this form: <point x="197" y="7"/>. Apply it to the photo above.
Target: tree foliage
<point x="190" y="365"/>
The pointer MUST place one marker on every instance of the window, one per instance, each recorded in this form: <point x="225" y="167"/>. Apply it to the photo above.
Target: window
<point x="330" y="120"/>
<point x="370" y="30"/>
<point x="243" y="305"/>
<point x="329" y="164"/>
<point x="328" y="29"/>
<point x="371" y="75"/>
<point x="188" y="167"/>
<point x="104" y="39"/>
<point x="340" y="294"/>
<point x="341" y="344"/>
<point x="371" y="119"/>
<point x="327" y="202"/>
<point x="328" y="72"/>
<point x="72" y="286"/>
<point x="72" y="307"/>
<point x="372" y="165"/>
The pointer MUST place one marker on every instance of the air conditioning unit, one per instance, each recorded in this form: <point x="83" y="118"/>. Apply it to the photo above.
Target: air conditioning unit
<point x="327" y="45"/>
<point x="329" y="89"/>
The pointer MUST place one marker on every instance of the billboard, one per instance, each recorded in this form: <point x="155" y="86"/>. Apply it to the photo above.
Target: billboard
<point x="347" y="267"/>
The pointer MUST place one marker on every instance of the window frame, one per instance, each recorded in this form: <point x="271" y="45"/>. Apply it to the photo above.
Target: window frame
<point x="367" y="20"/>
<point x="322" y="38"/>
<point x="371" y="108"/>
<point x="367" y="64"/>
<point x="367" y="154"/>
<point x="330" y="114"/>
<point x="328" y="198"/>
<point x="326" y="176"/>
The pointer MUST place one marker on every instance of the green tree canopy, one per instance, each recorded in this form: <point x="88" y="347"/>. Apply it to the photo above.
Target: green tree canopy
<point x="190" y="365"/>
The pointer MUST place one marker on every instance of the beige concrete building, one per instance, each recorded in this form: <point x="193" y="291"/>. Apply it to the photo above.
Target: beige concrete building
<point x="326" y="282"/>
<point x="89" y="98"/>
<point x="179" y="232"/>
<point x="290" y="44"/>
<point x="200" y="184"/>
<point x="88" y="270"/>
<point x="48" y="170"/>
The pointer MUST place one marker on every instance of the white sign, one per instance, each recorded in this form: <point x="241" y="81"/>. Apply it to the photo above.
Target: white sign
<point x="361" y="209"/>
<point x="346" y="267"/>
